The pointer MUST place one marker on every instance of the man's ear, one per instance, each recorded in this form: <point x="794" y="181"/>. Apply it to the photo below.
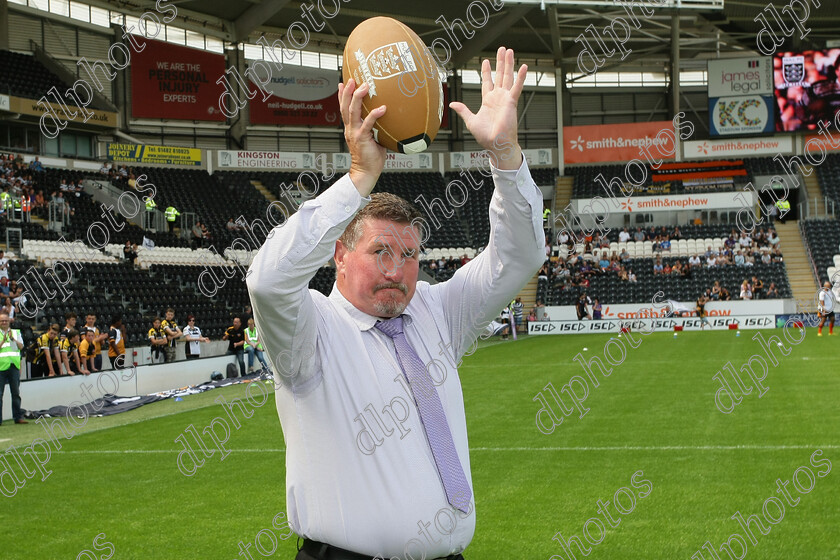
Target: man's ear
<point x="340" y="254"/>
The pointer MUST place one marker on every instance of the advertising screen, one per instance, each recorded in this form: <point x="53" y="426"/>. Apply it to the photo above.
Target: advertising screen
<point x="806" y="88"/>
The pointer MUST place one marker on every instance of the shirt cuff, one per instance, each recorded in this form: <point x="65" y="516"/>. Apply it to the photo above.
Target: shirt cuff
<point x="341" y="201"/>
<point x="520" y="179"/>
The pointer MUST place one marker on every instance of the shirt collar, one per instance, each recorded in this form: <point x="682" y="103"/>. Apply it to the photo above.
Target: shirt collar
<point x="364" y="321"/>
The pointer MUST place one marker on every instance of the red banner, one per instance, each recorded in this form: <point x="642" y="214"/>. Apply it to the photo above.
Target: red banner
<point x="174" y="82"/>
<point x="618" y="142"/>
<point x="301" y="96"/>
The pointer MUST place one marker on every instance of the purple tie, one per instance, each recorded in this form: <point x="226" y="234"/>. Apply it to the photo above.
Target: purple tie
<point x="432" y="417"/>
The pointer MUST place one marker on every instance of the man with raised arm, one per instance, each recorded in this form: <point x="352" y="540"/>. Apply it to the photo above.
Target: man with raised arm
<point x="368" y="393"/>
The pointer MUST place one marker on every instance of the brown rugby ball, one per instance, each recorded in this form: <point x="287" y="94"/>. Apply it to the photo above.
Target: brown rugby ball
<point x="403" y="75"/>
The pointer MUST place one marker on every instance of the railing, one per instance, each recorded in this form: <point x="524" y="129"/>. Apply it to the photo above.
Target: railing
<point x="808" y="251"/>
<point x="817" y="208"/>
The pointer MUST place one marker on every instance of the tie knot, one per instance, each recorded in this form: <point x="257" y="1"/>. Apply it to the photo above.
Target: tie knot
<point x="391" y="327"/>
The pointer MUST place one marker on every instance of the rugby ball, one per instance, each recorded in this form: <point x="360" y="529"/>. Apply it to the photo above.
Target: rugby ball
<point x="403" y="75"/>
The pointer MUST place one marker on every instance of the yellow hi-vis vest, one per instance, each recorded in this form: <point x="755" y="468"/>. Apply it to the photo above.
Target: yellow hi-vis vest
<point x="9" y="353"/>
<point x="251" y="339"/>
<point x="171" y="214"/>
<point x="150" y="204"/>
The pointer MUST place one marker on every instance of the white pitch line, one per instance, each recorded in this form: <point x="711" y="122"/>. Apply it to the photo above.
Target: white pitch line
<point x="494" y="449"/>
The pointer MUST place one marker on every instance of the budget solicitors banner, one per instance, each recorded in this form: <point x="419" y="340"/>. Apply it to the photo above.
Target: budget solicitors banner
<point x="175" y="82"/>
<point x="300" y="95"/>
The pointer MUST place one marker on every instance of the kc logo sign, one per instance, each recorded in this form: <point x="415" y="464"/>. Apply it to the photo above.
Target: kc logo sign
<point x="740" y="115"/>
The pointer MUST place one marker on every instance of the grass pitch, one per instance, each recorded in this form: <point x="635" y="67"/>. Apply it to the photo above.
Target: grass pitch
<point x="654" y="413"/>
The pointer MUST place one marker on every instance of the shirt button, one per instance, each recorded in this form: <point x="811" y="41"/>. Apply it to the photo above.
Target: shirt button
<point x="312" y="242"/>
<point x="347" y="209"/>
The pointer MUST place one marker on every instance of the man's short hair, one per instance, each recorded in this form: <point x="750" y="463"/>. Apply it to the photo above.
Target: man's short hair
<point x="156" y="319"/>
<point x="55" y="327"/>
<point x="70" y="315"/>
<point x="168" y="309"/>
<point x="72" y="332"/>
<point x="382" y="206"/>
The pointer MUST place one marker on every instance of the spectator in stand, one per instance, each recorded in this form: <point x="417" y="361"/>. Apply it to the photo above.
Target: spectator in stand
<point x="70" y="319"/>
<point x="765" y="257"/>
<point x="665" y="244"/>
<point x="231" y="225"/>
<point x="35" y="165"/>
<point x="4" y="266"/>
<point x="581" y="307"/>
<point x="604" y="263"/>
<point x="757" y="288"/>
<point x="724" y="294"/>
<point x="130" y="252"/>
<point x="192" y="334"/>
<point x="4" y="287"/>
<point x="624" y="256"/>
<point x="739" y="258"/>
<point x="772" y="292"/>
<point x="596" y="310"/>
<point x="235" y="335"/>
<point x="254" y="347"/>
<point x="8" y="309"/>
<point x="631" y="276"/>
<point x="44" y="361"/>
<point x="715" y="294"/>
<point x="773" y="239"/>
<point x="197" y="235"/>
<point x="657" y="267"/>
<point x="85" y="352"/>
<point x="173" y="333"/>
<point x="116" y="343"/>
<point x="98" y="339"/>
<point x="157" y="341"/>
<point x="777" y="256"/>
<point x="694" y="261"/>
<point x="639" y="235"/>
<point x="624" y="236"/>
<point x="207" y="234"/>
<point x="543" y="273"/>
<point x="746" y="291"/>
<point x="532" y="316"/>
<point x="666" y="269"/>
<point x="105" y="169"/>
<point x="749" y="260"/>
<point x="677" y="234"/>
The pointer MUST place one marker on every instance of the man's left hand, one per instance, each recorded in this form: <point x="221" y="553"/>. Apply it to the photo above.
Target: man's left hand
<point x="496" y="123"/>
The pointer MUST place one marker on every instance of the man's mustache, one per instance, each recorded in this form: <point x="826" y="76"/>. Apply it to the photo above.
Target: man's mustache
<point x="396" y="285"/>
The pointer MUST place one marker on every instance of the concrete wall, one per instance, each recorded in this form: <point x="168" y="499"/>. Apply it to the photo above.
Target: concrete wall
<point x="40" y="394"/>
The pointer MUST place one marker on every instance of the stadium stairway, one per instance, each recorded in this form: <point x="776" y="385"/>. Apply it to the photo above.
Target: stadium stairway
<point x="797" y="264"/>
<point x="562" y="193"/>
<point x="257" y="184"/>
<point x="812" y="184"/>
<point x="529" y="295"/>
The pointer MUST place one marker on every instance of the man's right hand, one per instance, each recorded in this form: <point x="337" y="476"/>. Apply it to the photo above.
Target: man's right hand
<point x="367" y="157"/>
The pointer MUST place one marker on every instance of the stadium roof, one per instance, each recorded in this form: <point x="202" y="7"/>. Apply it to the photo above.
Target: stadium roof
<point x="540" y="30"/>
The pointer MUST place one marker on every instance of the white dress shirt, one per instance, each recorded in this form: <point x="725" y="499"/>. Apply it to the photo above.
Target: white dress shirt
<point x="333" y="371"/>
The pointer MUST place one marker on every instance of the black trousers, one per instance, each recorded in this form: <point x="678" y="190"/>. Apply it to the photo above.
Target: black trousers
<point x="312" y="550"/>
<point x="11" y="377"/>
<point x="240" y="357"/>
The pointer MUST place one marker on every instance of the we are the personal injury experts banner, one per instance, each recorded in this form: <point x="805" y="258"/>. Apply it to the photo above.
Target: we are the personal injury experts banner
<point x="174" y="82"/>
